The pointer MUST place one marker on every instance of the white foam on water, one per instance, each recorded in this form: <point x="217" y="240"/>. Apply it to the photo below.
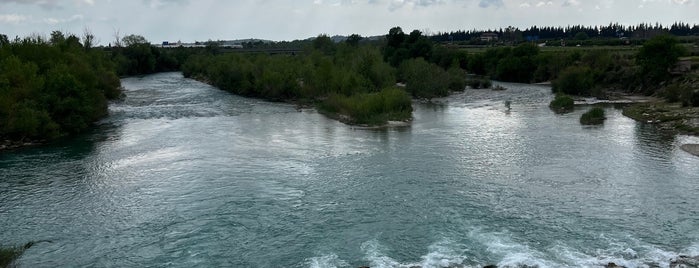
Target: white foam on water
<point x="501" y="249"/>
<point x="327" y="261"/>
<point x="510" y="252"/>
<point x="630" y="254"/>
<point x="373" y="252"/>
<point x="444" y="253"/>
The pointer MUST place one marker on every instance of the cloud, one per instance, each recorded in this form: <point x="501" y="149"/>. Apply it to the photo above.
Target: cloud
<point x="46" y="4"/>
<point x="397" y="4"/>
<point x="542" y="3"/>
<point x="12" y="18"/>
<point x="569" y="3"/>
<point x="525" y="4"/>
<point x="54" y="21"/>
<point x="489" y="3"/>
<point x="162" y="3"/>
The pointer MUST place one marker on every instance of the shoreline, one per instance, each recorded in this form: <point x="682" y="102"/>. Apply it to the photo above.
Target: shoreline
<point x="9" y="145"/>
<point x="691" y="148"/>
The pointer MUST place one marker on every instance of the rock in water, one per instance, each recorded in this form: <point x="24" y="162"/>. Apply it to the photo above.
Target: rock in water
<point x="691" y="148"/>
<point x="685" y="262"/>
<point x="613" y="265"/>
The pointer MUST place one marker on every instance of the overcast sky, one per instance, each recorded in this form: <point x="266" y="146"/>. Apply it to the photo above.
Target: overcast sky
<point x="190" y="20"/>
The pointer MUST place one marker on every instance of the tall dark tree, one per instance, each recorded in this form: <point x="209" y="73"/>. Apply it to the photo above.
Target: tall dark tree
<point x="657" y="56"/>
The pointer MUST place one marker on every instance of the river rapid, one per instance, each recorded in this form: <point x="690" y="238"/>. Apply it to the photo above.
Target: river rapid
<point x="182" y="174"/>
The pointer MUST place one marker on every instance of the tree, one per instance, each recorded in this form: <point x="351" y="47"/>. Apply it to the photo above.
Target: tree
<point x="117" y="38"/>
<point x="581" y="36"/>
<point x="657" y="56"/>
<point x="88" y="38"/>
<point x="574" y="80"/>
<point x="57" y="38"/>
<point x="395" y="37"/>
<point x="3" y="40"/>
<point x="324" y="43"/>
<point x="133" y="39"/>
<point x="353" y="40"/>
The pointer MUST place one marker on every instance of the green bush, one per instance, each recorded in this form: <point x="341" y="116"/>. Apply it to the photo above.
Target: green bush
<point x="574" y="80"/>
<point x="48" y="90"/>
<point x="562" y="103"/>
<point x="423" y="79"/>
<point x="594" y="116"/>
<point x="370" y="108"/>
<point x="478" y="83"/>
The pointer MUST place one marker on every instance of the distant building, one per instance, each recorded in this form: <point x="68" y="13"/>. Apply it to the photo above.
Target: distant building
<point x="489" y="37"/>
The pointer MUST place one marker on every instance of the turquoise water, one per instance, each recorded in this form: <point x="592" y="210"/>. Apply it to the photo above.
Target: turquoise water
<point x="184" y="175"/>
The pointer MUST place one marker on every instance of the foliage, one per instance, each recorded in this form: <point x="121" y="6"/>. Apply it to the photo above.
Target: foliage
<point x="507" y="64"/>
<point x="400" y="47"/>
<point x="594" y="116"/>
<point x="370" y="108"/>
<point x="562" y="103"/>
<point x="581" y="36"/>
<point x="479" y="82"/>
<point x="8" y="255"/>
<point x="132" y="40"/>
<point x="574" y="80"/>
<point x="344" y="77"/>
<point x="48" y="90"/>
<point x="657" y="56"/>
<point x="424" y="79"/>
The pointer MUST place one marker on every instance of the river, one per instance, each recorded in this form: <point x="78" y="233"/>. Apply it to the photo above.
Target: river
<point x="182" y="174"/>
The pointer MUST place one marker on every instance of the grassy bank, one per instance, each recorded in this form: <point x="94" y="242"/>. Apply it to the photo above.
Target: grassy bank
<point x="667" y="116"/>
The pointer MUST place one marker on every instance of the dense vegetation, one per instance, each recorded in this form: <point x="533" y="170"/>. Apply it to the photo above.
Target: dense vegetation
<point x="9" y="254"/>
<point x="56" y="87"/>
<point x="355" y="81"/>
<point x="594" y="116"/>
<point x="562" y="103"/>
<point x="605" y="35"/>
<point x="52" y="88"/>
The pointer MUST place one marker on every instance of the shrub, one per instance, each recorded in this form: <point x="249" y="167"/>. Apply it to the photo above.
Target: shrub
<point x="424" y="80"/>
<point x="574" y="80"/>
<point x="370" y="108"/>
<point x="594" y="116"/>
<point x="477" y="83"/>
<point x="562" y="103"/>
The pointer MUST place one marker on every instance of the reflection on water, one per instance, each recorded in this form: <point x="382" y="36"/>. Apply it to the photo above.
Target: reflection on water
<point x="182" y="174"/>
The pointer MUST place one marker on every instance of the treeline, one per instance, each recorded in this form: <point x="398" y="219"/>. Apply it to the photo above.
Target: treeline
<point x="353" y="81"/>
<point x="51" y="88"/>
<point x="577" y="32"/>
<point x="350" y="80"/>
<point x="134" y="55"/>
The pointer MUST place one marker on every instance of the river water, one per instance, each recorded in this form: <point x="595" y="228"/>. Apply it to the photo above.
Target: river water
<point x="182" y="174"/>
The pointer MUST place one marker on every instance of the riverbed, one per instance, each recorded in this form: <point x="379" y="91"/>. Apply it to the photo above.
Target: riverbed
<point x="182" y="174"/>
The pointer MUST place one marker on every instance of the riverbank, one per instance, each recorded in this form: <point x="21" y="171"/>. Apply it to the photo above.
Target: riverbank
<point x="8" y="145"/>
<point x="667" y="116"/>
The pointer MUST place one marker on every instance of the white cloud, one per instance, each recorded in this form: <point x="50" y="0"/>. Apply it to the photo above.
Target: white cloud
<point x="525" y="5"/>
<point x="491" y="3"/>
<point x="568" y="3"/>
<point x="55" y="21"/>
<point x="12" y="18"/>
